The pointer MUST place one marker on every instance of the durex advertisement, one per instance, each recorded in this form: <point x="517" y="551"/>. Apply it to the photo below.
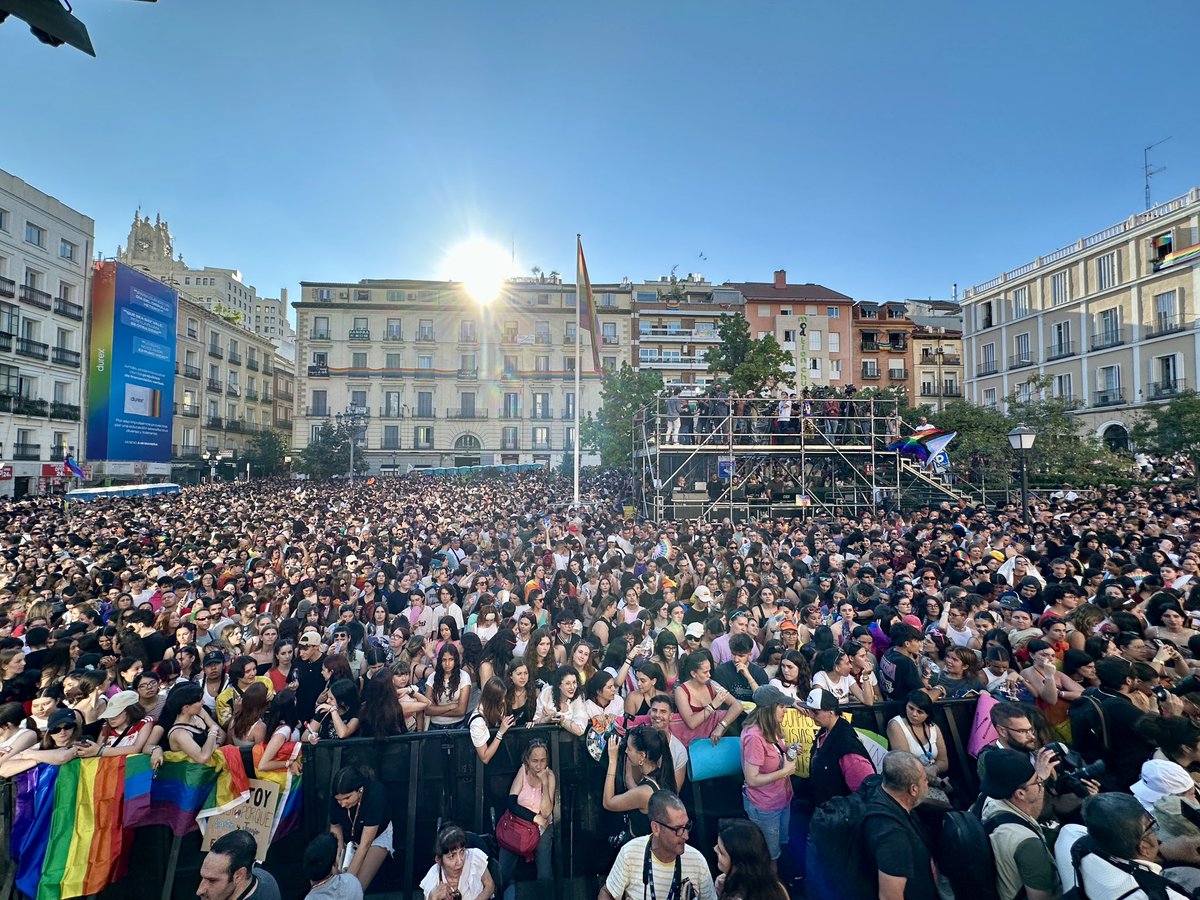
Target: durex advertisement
<point x="131" y="392"/>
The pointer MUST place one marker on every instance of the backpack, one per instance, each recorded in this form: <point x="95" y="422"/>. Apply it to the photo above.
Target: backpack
<point x="964" y="852"/>
<point x="837" y="866"/>
<point x="1089" y="727"/>
<point x="1149" y="883"/>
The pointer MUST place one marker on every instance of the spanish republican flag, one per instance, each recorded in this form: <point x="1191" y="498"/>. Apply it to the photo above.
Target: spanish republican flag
<point x="587" y="306"/>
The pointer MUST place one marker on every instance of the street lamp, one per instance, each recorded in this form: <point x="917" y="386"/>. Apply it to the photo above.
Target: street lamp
<point x="393" y="465"/>
<point x="211" y="456"/>
<point x="1021" y="440"/>
<point x="354" y="418"/>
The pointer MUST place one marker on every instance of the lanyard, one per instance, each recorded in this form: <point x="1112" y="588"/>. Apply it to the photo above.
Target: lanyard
<point x="648" y="877"/>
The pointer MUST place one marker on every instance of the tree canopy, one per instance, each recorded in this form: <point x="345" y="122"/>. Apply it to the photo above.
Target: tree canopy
<point x="1170" y="428"/>
<point x="328" y="454"/>
<point x="266" y="451"/>
<point x="747" y="362"/>
<point x="622" y="393"/>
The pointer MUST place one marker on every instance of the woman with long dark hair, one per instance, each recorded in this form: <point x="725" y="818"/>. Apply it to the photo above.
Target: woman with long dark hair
<point x="448" y="690"/>
<point x="380" y="713"/>
<point x="492" y="714"/>
<point x="745" y="864"/>
<point x="361" y="821"/>
<point x="521" y="697"/>
<point x="280" y="748"/>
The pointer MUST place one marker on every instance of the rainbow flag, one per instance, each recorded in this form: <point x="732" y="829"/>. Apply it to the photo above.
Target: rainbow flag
<point x="287" y="812"/>
<point x="587" y="305"/>
<point x="662" y="549"/>
<point x="70" y="826"/>
<point x="185" y="793"/>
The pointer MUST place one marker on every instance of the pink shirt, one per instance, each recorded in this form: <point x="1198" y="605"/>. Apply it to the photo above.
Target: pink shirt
<point x="769" y="758"/>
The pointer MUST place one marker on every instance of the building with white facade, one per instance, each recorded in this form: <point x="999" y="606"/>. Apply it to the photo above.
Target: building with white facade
<point x="45" y="277"/>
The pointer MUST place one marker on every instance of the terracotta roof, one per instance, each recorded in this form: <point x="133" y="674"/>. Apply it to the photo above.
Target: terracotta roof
<point x="766" y="290"/>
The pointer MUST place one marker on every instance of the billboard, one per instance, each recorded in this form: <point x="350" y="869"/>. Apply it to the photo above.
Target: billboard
<point x="131" y="389"/>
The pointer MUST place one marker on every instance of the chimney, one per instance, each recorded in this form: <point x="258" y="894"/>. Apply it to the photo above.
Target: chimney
<point x="283" y="295"/>
<point x="780" y="279"/>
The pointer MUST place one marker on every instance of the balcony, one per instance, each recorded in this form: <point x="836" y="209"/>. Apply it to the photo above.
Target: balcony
<point x="285" y="424"/>
<point x="1020" y="360"/>
<point x="1111" y="338"/>
<point x="359" y="334"/>
<point x="320" y="370"/>
<point x="609" y="340"/>
<point x="215" y="352"/>
<point x="391" y="412"/>
<point x="678" y="334"/>
<point x="930" y="390"/>
<point x="252" y="363"/>
<point x="1110" y="397"/>
<point x="510" y="444"/>
<point x="425" y="335"/>
<point x="32" y="349"/>
<point x="287" y="397"/>
<point x="1061" y="350"/>
<point x="266" y="368"/>
<point x="188" y="451"/>
<point x="952" y="391"/>
<point x="68" y="412"/>
<point x="423" y="445"/>
<point x="478" y="415"/>
<point x="34" y="297"/>
<point x="31" y="452"/>
<point x="252" y="394"/>
<point x="541" y="445"/>
<point x="870" y="374"/>
<point x="568" y="414"/>
<point x="869" y="346"/>
<point x="65" y="357"/>
<point x="542" y="338"/>
<point x="317" y="412"/>
<point x="508" y="337"/>
<point x="672" y="362"/>
<point x="65" y="307"/>
<point x="987" y="367"/>
<point x="216" y="422"/>
<point x="191" y="410"/>
<point x="235" y="358"/>
<point x="28" y="406"/>
<point x="394" y="335"/>
<point x="192" y="333"/>
<point x="319" y="335"/>
<point x="467" y="336"/>
<point x="8" y="287"/>
<point x="1162" y="390"/>
<point x="897" y="374"/>
<point x="948" y="359"/>
<point x="896" y="344"/>
<point x="509" y="373"/>
<point x="233" y="390"/>
<point x="510" y="415"/>
<point x="1165" y="325"/>
<point x="236" y="425"/>
<point x="6" y="341"/>
<point x="425" y="412"/>
<point x="468" y="373"/>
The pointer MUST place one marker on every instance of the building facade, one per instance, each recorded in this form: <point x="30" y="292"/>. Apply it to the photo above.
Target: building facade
<point x="810" y="321"/>
<point x="882" y="342"/>
<point x="1108" y="321"/>
<point x="675" y="323"/>
<point x="45" y="278"/>
<point x="444" y="380"/>
<point x="935" y="361"/>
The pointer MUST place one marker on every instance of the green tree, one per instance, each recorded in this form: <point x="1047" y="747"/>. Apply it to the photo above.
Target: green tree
<point x="266" y="451"/>
<point x="748" y="362"/>
<point x="329" y="454"/>
<point x="1063" y="450"/>
<point x="622" y="393"/>
<point x="1171" y="428"/>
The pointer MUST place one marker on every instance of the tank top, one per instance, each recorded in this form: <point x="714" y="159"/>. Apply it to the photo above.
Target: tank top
<point x="530" y="795"/>
<point x="639" y="822"/>
<point x="927" y="753"/>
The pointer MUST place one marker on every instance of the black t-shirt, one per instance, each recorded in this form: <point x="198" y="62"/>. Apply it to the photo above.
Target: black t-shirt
<point x="695" y="615"/>
<point x="156" y="646"/>
<point x="371" y="810"/>
<point x="311" y="685"/>
<point x="898" y="676"/>
<point x="898" y="846"/>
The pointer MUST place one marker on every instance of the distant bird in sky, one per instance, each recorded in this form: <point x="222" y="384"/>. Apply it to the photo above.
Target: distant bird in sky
<point x="702" y="256"/>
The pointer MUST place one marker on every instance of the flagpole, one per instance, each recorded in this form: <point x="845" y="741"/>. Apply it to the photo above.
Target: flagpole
<point x="578" y="360"/>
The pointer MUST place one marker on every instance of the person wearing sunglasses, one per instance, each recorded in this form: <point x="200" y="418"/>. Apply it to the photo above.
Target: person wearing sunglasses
<point x="62" y="742"/>
<point x="662" y="864"/>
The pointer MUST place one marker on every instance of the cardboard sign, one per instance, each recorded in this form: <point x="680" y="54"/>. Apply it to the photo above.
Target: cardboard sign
<point x="255" y="816"/>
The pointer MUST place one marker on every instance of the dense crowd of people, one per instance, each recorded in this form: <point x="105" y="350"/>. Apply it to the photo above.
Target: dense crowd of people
<point x="272" y="613"/>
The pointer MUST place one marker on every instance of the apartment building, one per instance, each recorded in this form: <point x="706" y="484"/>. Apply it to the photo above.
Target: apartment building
<point x="284" y="408"/>
<point x="881" y="335"/>
<point x="445" y="381"/>
<point x="45" y="276"/>
<point x="1109" y="319"/>
<point x="810" y="321"/>
<point x="935" y="362"/>
<point x="676" y="323"/>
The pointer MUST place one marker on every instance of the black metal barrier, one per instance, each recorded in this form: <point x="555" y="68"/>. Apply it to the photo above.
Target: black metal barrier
<point x="436" y="776"/>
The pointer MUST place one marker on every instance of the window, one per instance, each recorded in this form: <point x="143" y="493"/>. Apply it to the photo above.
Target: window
<point x="608" y="362"/>
<point x="510" y="366"/>
<point x="569" y="408"/>
<point x="569" y="440"/>
<point x="1109" y="378"/>
<point x="1060" y="288"/>
<point x="835" y="342"/>
<point x="608" y="330"/>
<point x="395" y="296"/>
<point x="320" y="330"/>
<point x="648" y="354"/>
<point x="35" y="235"/>
<point x="1106" y="271"/>
<point x="466" y="332"/>
<point x="985" y="315"/>
<point x="508" y="437"/>
<point x="392" y="361"/>
<point x="989" y="398"/>
<point x="541" y="406"/>
<point x="1020" y="302"/>
<point x="391" y="403"/>
<point x="832" y="312"/>
<point x="3" y="220"/>
<point x="764" y="311"/>
<point x="358" y="360"/>
<point x="322" y="293"/>
<point x="425" y="404"/>
<point x="835" y="369"/>
<point x="425" y="330"/>
<point x="541" y="437"/>
<point x="511" y="405"/>
<point x="541" y="333"/>
<point x="320" y="403"/>
<point x="543" y="300"/>
<point x="785" y="310"/>
<point x="391" y="437"/>
<point x="814" y="366"/>
<point x="423" y="437"/>
<point x="1021" y="348"/>
<point x="393" y="330"/>
<point x="989" y="358"/>
<point x="1108" y="326"/>
<point x="568" y="363"/>
<point x="467" y="364"/>
<point x="1024" y="392"/>
<point x="1062" y="386"/>
<point x="789" y="336"/>
<point x="320" y="359"/>
<point x="652" y="297"/>
<point x="1165" y="312"/>
<point x="425" y="362"/>
<point x="541" y="364"/>
<point x="1165" y="370"/>
<point x="570" y="333"/>
<point x="608" y="300"/>
<point x="1060" y="339"/>
<point x="67" y="250"/>
<point x="466" y="404"/>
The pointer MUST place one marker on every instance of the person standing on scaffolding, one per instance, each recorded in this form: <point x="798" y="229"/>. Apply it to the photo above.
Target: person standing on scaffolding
<point x="673" y="407"/>
<point x="833" y="412"/>
<point x="783" y="417"/>
<point x="850" y="413"/>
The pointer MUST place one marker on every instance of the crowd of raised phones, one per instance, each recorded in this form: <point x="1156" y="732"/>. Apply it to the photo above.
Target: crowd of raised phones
<point x="275" y="612"/>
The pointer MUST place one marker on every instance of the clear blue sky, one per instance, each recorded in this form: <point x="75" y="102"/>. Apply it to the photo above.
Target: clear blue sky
<point x="884" y="149"/>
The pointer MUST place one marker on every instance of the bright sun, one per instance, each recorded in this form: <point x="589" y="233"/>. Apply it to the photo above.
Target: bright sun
<point x="481" y="266"/>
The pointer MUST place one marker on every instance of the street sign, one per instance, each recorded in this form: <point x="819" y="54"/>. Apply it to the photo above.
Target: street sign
<point x="726" y="466"/>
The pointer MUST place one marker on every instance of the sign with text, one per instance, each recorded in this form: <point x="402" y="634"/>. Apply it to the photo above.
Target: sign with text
<point x="255" y="816"/>
<point x="131" y="389"/>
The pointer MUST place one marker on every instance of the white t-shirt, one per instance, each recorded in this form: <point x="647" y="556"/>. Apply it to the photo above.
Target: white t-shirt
<point x="839" y="688"/>
<point x="575" y="711"/>
<point x="1100" y="879"/>
<point x="448" y="696"/>
<point x="959" y="638"/>
<point x="625" y="877"/>
<point x="470" y="882"/>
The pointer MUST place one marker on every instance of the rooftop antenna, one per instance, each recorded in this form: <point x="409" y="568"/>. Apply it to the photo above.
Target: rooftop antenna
<point x="1147" y="170"/>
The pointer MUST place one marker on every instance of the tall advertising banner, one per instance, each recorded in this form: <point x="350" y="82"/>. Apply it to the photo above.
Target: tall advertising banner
<point x="131" y="392"/>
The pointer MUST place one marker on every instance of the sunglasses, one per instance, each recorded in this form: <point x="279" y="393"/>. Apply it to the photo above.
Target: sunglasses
<point x="61" y="728"/>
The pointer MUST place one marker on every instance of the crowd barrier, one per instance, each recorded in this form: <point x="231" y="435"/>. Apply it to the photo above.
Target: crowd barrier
<point x="434" y="777"/>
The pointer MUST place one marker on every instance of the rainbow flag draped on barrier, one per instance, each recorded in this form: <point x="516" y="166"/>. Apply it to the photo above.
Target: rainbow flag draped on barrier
<point x="69" y="828"/>
<point x="186" y="793"/>
<point x="287" y="813"/>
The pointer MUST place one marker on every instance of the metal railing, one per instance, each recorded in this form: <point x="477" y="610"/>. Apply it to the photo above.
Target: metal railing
<point x="28" y="452"/>
<point x="8" y="287"/>
<point x="33" y="349"/>
<point x="68" y="412"/>
<point x="66" y="357"/>
<point x="1020" y="360"/>
<point x="1166" y="324"/>
<point x="35" y="297"/>
<point x="477" y="414"/>
<point x="985" y="368"/>
<point x="65" y="307"/>
<point x="1103" y="340"/>
<point x="1110" y="397"/>
<point x="1161" y="390"/>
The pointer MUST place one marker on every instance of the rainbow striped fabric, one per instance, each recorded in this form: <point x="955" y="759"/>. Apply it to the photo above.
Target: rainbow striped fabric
<point x="69" y="829"/>
<point x="185" y="793"/>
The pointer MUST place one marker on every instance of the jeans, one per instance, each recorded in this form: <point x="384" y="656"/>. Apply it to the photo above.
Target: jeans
<point x="508" y="863"/>
<point x="773" y="823"/>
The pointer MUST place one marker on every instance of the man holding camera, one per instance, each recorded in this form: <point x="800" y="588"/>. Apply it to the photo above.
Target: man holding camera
<point x="1016" y="796"/>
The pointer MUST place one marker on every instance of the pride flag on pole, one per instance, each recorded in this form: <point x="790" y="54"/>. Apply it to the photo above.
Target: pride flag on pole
<point x="70" y="826"/>
<point x="587" y="308"/>
<point x="73" y="467"/>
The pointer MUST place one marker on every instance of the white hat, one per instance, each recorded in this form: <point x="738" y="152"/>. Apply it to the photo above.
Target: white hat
<point x="702" y="593"/>
<point x="1161" y="778"/>
<point x="118" y="703"/>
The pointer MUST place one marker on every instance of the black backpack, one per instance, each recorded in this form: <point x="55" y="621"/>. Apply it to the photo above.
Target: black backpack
<point x="1089" y="727"/>
<point x="837" y="866"/>
<point x="1151" y="884"/>
<point x="964" y="852"/>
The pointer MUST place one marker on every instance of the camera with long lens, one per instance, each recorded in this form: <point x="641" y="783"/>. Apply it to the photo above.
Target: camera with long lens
<point x="1073" y="771"/>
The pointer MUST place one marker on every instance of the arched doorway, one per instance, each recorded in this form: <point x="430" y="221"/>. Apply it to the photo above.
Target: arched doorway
<point x="1116" y="437"/>
<point x="466" y="450"/>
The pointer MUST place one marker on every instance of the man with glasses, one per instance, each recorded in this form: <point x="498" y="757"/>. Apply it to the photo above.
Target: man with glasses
<point x="1016" y="796"/>
<point x="661" y="865"/>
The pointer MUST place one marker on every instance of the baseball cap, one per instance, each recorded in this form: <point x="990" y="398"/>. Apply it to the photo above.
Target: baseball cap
<point x="695" y="630"/>
<point x="788" y="625"/>
<point x="310" y="639"/>
<point x="769" y="695"/>
<point x="118" y="703"/>
<point x="702" y="593"/>
<point x="212" y="657"/>
<point x="61" y="717"/>
<point x="1161" y="778"/>
<point x="820" y="699"/>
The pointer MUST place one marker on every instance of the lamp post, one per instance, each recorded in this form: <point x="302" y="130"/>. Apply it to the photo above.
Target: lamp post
<point x="393" y="465"/>
<point x="1021" y="440"/>
<point x="211" y="456"/>
<point x="354" y="418"/>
